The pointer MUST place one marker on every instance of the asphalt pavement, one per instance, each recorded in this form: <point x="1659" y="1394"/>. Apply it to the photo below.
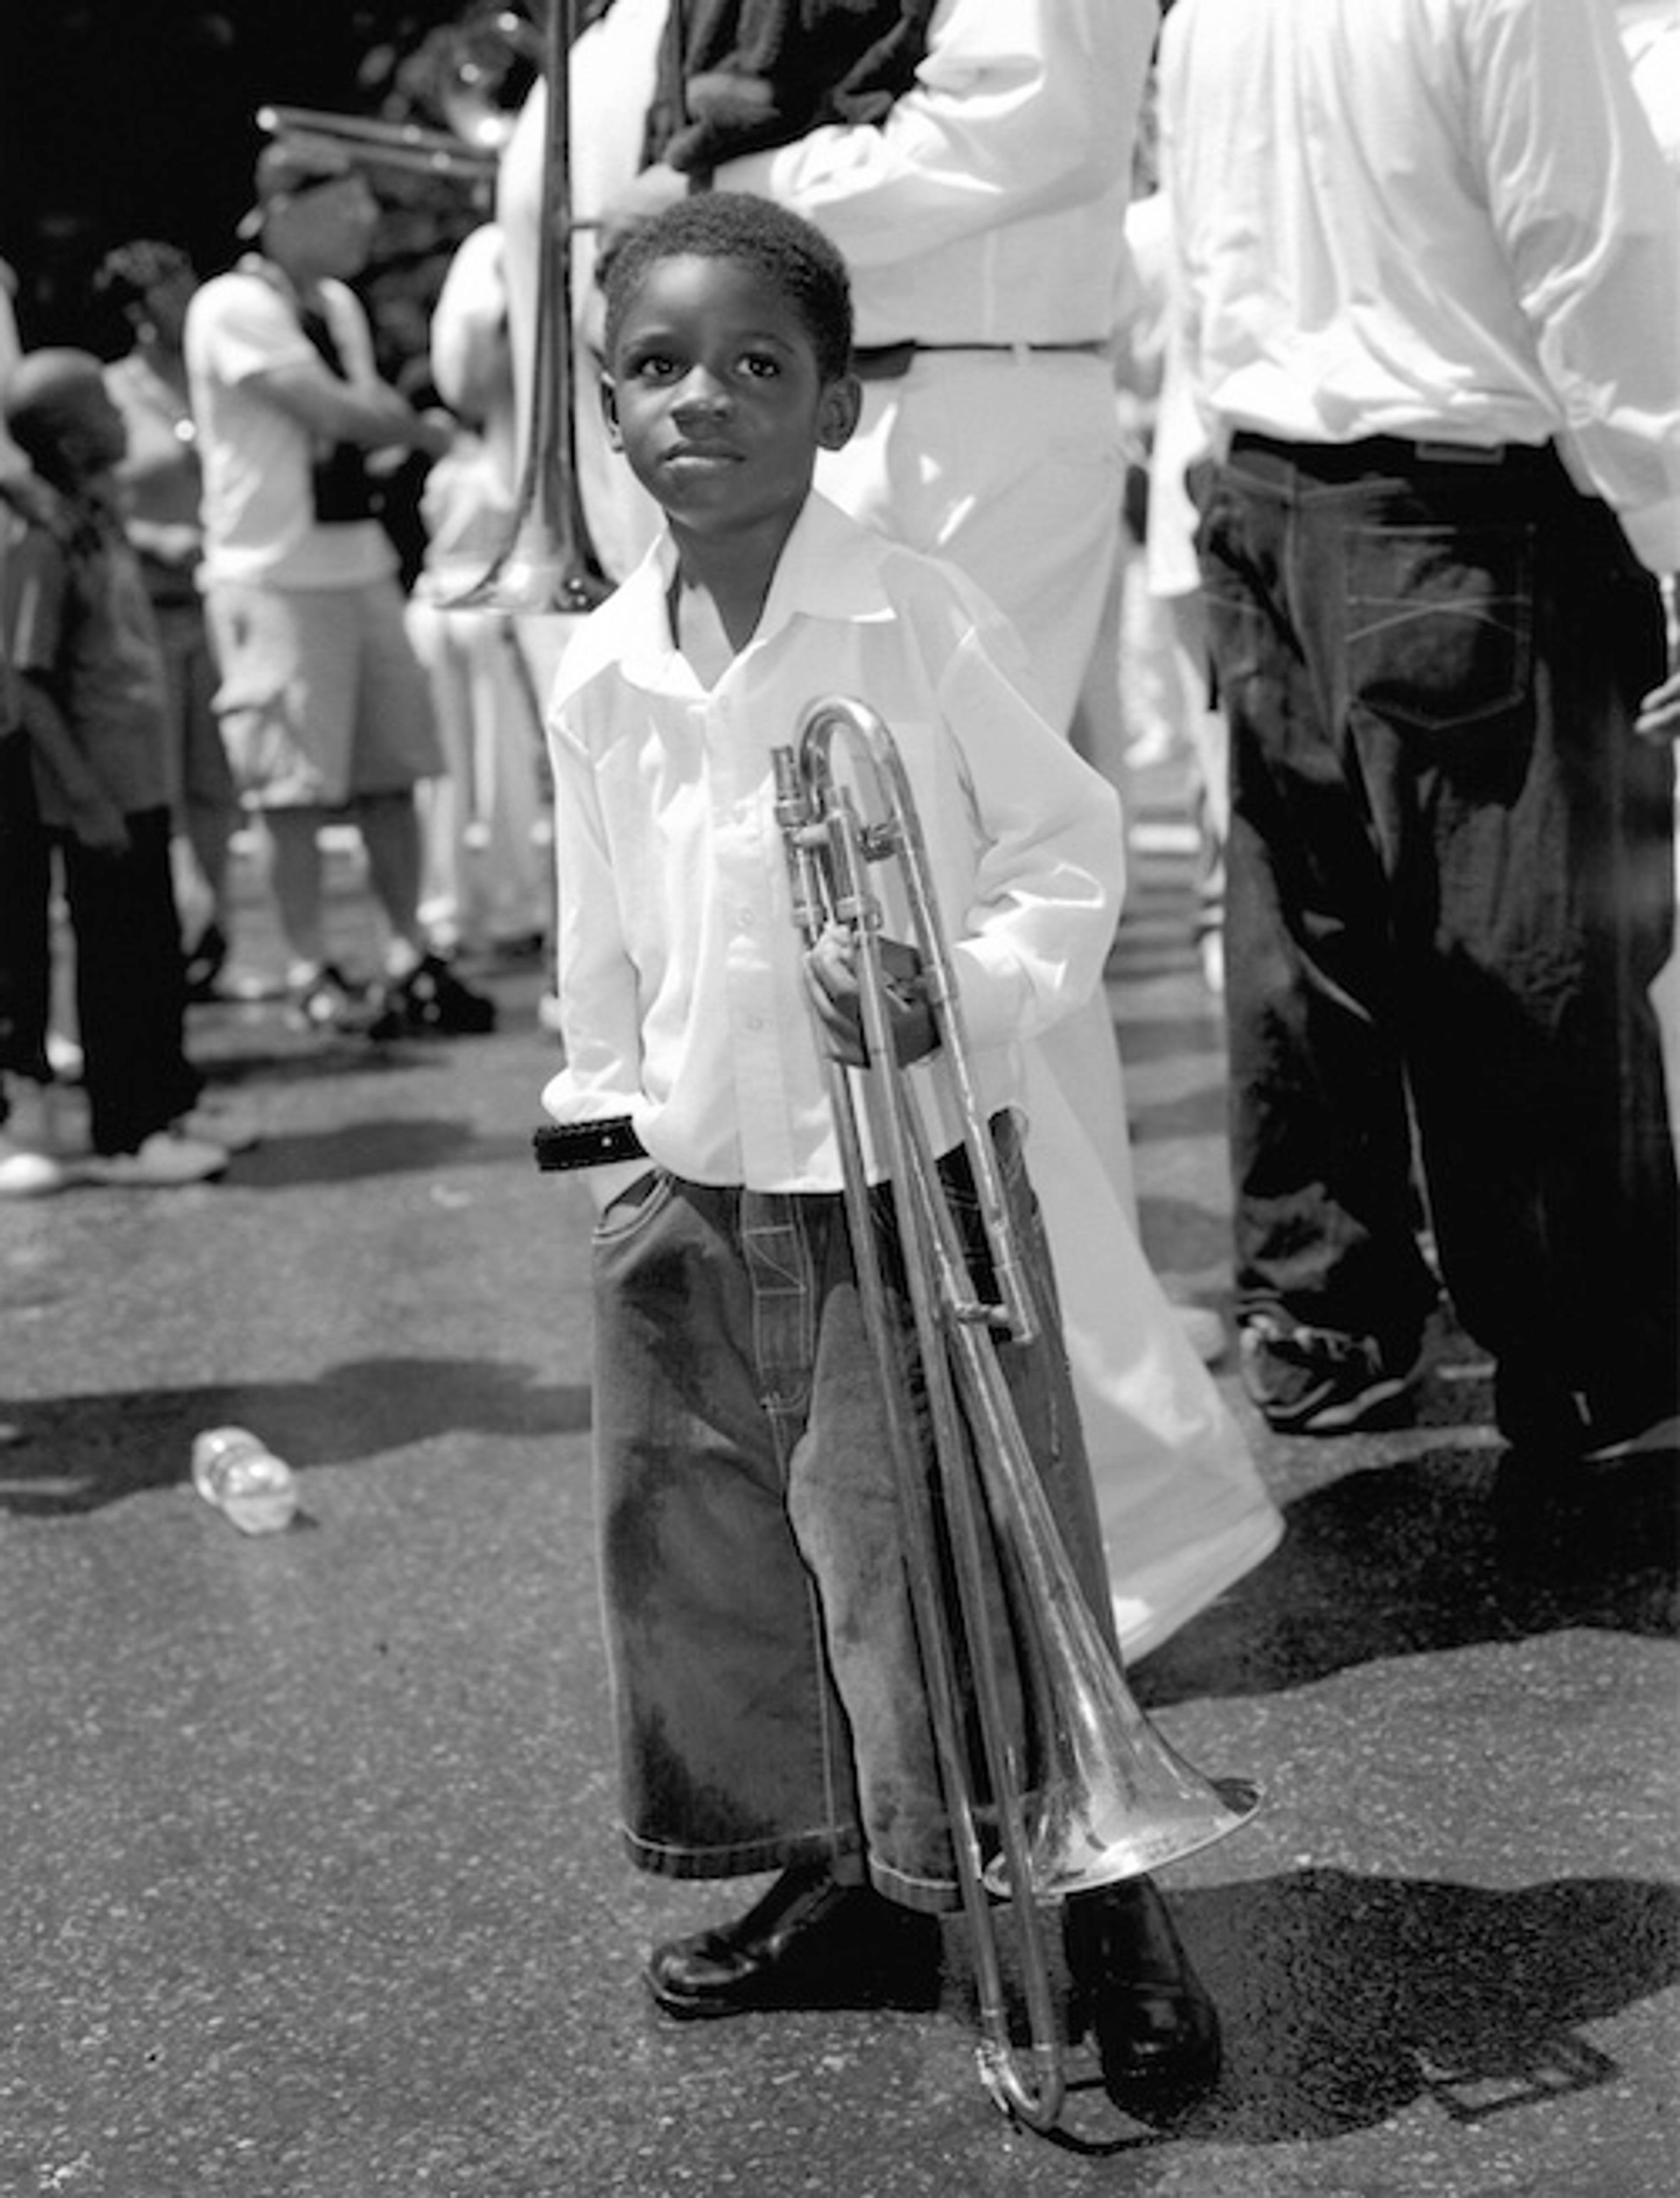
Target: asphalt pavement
<point x="308" y="1881"/>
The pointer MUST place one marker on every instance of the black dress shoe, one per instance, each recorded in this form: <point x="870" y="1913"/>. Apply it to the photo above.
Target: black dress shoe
<point x="808" y="1943"/>
<point x="1157" y="2030"/>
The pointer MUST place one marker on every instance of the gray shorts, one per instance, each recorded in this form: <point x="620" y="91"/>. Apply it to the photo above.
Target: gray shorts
<point x="322" y="699"/>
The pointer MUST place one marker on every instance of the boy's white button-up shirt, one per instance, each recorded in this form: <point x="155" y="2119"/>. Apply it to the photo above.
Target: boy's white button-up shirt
<point x="680" y="977"/>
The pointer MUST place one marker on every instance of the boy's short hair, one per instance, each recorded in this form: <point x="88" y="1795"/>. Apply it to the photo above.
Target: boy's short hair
<point x="45" y="395"/>
<point x="790" y="253"/>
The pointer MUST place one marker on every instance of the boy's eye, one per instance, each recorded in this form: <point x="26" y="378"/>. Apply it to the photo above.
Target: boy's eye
<point x="758" y="365"/>
<point x="653" y="366"/>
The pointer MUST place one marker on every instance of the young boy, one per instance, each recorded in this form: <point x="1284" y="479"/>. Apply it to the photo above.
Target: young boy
<point x="85" y="654"/>
<point x="769" y="1699"/>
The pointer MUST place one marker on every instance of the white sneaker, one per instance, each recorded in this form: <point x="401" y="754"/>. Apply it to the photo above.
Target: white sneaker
<point x="26" y="1174"/>
<point x="165" y="1161"/>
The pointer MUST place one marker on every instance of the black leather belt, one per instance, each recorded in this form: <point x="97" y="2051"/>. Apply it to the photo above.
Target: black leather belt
<point x="1376" y="454"/>
<point x="890" y="362"/>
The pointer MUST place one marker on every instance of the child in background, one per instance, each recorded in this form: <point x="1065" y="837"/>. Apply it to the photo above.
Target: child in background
<point x="771" y="1708"/>
<point x="84" y="653"/>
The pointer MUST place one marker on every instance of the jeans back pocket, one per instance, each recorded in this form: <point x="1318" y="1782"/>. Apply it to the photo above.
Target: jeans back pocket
<point x="1440" y="623"/>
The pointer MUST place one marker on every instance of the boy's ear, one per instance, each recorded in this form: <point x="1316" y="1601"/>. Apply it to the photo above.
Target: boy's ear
<point x="609" y="410"/>
<point x="837" y="412"/>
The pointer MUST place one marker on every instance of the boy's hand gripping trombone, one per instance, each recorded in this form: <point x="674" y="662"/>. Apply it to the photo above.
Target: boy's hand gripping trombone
<point x="1103" y="1796"/>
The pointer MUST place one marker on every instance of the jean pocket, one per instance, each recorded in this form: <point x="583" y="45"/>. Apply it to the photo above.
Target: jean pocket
<point x="635" y="1205"/>
<point x="1439" y="624"/>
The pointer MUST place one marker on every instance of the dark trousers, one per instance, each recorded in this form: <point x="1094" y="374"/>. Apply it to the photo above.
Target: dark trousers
<point x="26" y="958"/>
<point x="131" y="991"/>
<point x="1450" y="888"/>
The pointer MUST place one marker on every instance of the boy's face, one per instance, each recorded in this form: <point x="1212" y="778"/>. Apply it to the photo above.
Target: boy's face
<point x="714" y="395"/>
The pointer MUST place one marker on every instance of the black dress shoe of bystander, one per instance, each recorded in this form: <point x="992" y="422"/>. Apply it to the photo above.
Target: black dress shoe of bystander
<point x="808" y="1943"/>
<point x="1157" y="2030"/>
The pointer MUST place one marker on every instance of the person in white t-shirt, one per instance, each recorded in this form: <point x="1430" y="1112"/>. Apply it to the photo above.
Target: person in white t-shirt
<point x="325" y="709"/>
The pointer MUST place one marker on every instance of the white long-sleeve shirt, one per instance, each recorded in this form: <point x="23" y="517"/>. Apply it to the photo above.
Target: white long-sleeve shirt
<point x="679" y="964"/>
<point x="1432" y="218"/>
<point x="989" y="205"/>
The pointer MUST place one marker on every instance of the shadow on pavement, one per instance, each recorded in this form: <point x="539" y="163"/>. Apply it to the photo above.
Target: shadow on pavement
<point x="1346" y="1998"/>
<point x="73" y="1453"/>
<point x="1432" y="1552"/>
<point x="391" y="1145"/>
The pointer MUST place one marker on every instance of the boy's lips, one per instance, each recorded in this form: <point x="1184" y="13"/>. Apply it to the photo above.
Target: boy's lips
<point x="701" y="457"/>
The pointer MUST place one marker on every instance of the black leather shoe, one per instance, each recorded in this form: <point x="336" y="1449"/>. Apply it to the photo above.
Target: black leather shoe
<point x="1157" y="2030"/>
<point x="808" y="1943"/>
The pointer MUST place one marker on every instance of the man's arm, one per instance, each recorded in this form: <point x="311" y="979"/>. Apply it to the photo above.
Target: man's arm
<point x="1020" y="108"/>
<point x="370" y="414"/>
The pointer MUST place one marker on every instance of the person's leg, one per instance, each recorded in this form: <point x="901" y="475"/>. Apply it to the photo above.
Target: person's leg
<point x="1534" y="890"/>
<point x="209" y="812"/>
<point x="297" y="873"/>
<point x="1332" y="1288"/>
<point x="512" y="879"/>
<point x="389" y="824"/>
<point x="732" y="1745"/>
<point x="446" y="800"/>
<point x="288" y="659"/>
<point x="393" y="747"/>
<point x="130" y="995"/>
<point x="26" y="897"/>
<point x="29" y="1164"/>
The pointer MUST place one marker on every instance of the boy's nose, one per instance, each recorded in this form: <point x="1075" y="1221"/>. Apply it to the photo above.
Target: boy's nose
<point x="702" y="392"/>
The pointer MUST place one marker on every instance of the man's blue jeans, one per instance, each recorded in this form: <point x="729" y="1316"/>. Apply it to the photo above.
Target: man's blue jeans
<point x="767" y="1685"/>
<point x="1450" y="886"/>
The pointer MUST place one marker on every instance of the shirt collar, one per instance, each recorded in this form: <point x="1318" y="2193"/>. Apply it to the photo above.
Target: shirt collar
<point x="828" y="568"/>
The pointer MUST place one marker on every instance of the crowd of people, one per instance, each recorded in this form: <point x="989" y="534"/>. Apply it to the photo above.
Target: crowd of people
<point x="203" y="631"/>
<point x="872" y="293"/>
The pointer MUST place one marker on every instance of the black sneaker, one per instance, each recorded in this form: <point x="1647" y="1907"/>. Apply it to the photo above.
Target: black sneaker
<point x="328" y="1002"/>
<point x="431" y="1001"/>
<point x="1317" y="1382"/>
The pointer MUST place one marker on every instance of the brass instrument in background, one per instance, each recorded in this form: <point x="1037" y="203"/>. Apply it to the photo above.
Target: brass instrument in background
<point x="468" y="72"/>
<point x="1106" y="1797"/>
<point x="407" y="147"/>
<point x="546" y="563"/>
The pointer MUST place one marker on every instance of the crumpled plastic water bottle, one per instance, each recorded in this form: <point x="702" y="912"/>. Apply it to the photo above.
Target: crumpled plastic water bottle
<point x="239" y="1474"/>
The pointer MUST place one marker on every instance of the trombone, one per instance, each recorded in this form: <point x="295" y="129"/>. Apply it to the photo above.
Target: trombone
<point x="1103" y="1796"/>
<point x="546" y="562"/>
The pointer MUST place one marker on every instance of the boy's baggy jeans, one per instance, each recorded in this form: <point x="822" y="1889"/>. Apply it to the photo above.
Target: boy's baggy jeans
<point x="767" y="1686"/>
